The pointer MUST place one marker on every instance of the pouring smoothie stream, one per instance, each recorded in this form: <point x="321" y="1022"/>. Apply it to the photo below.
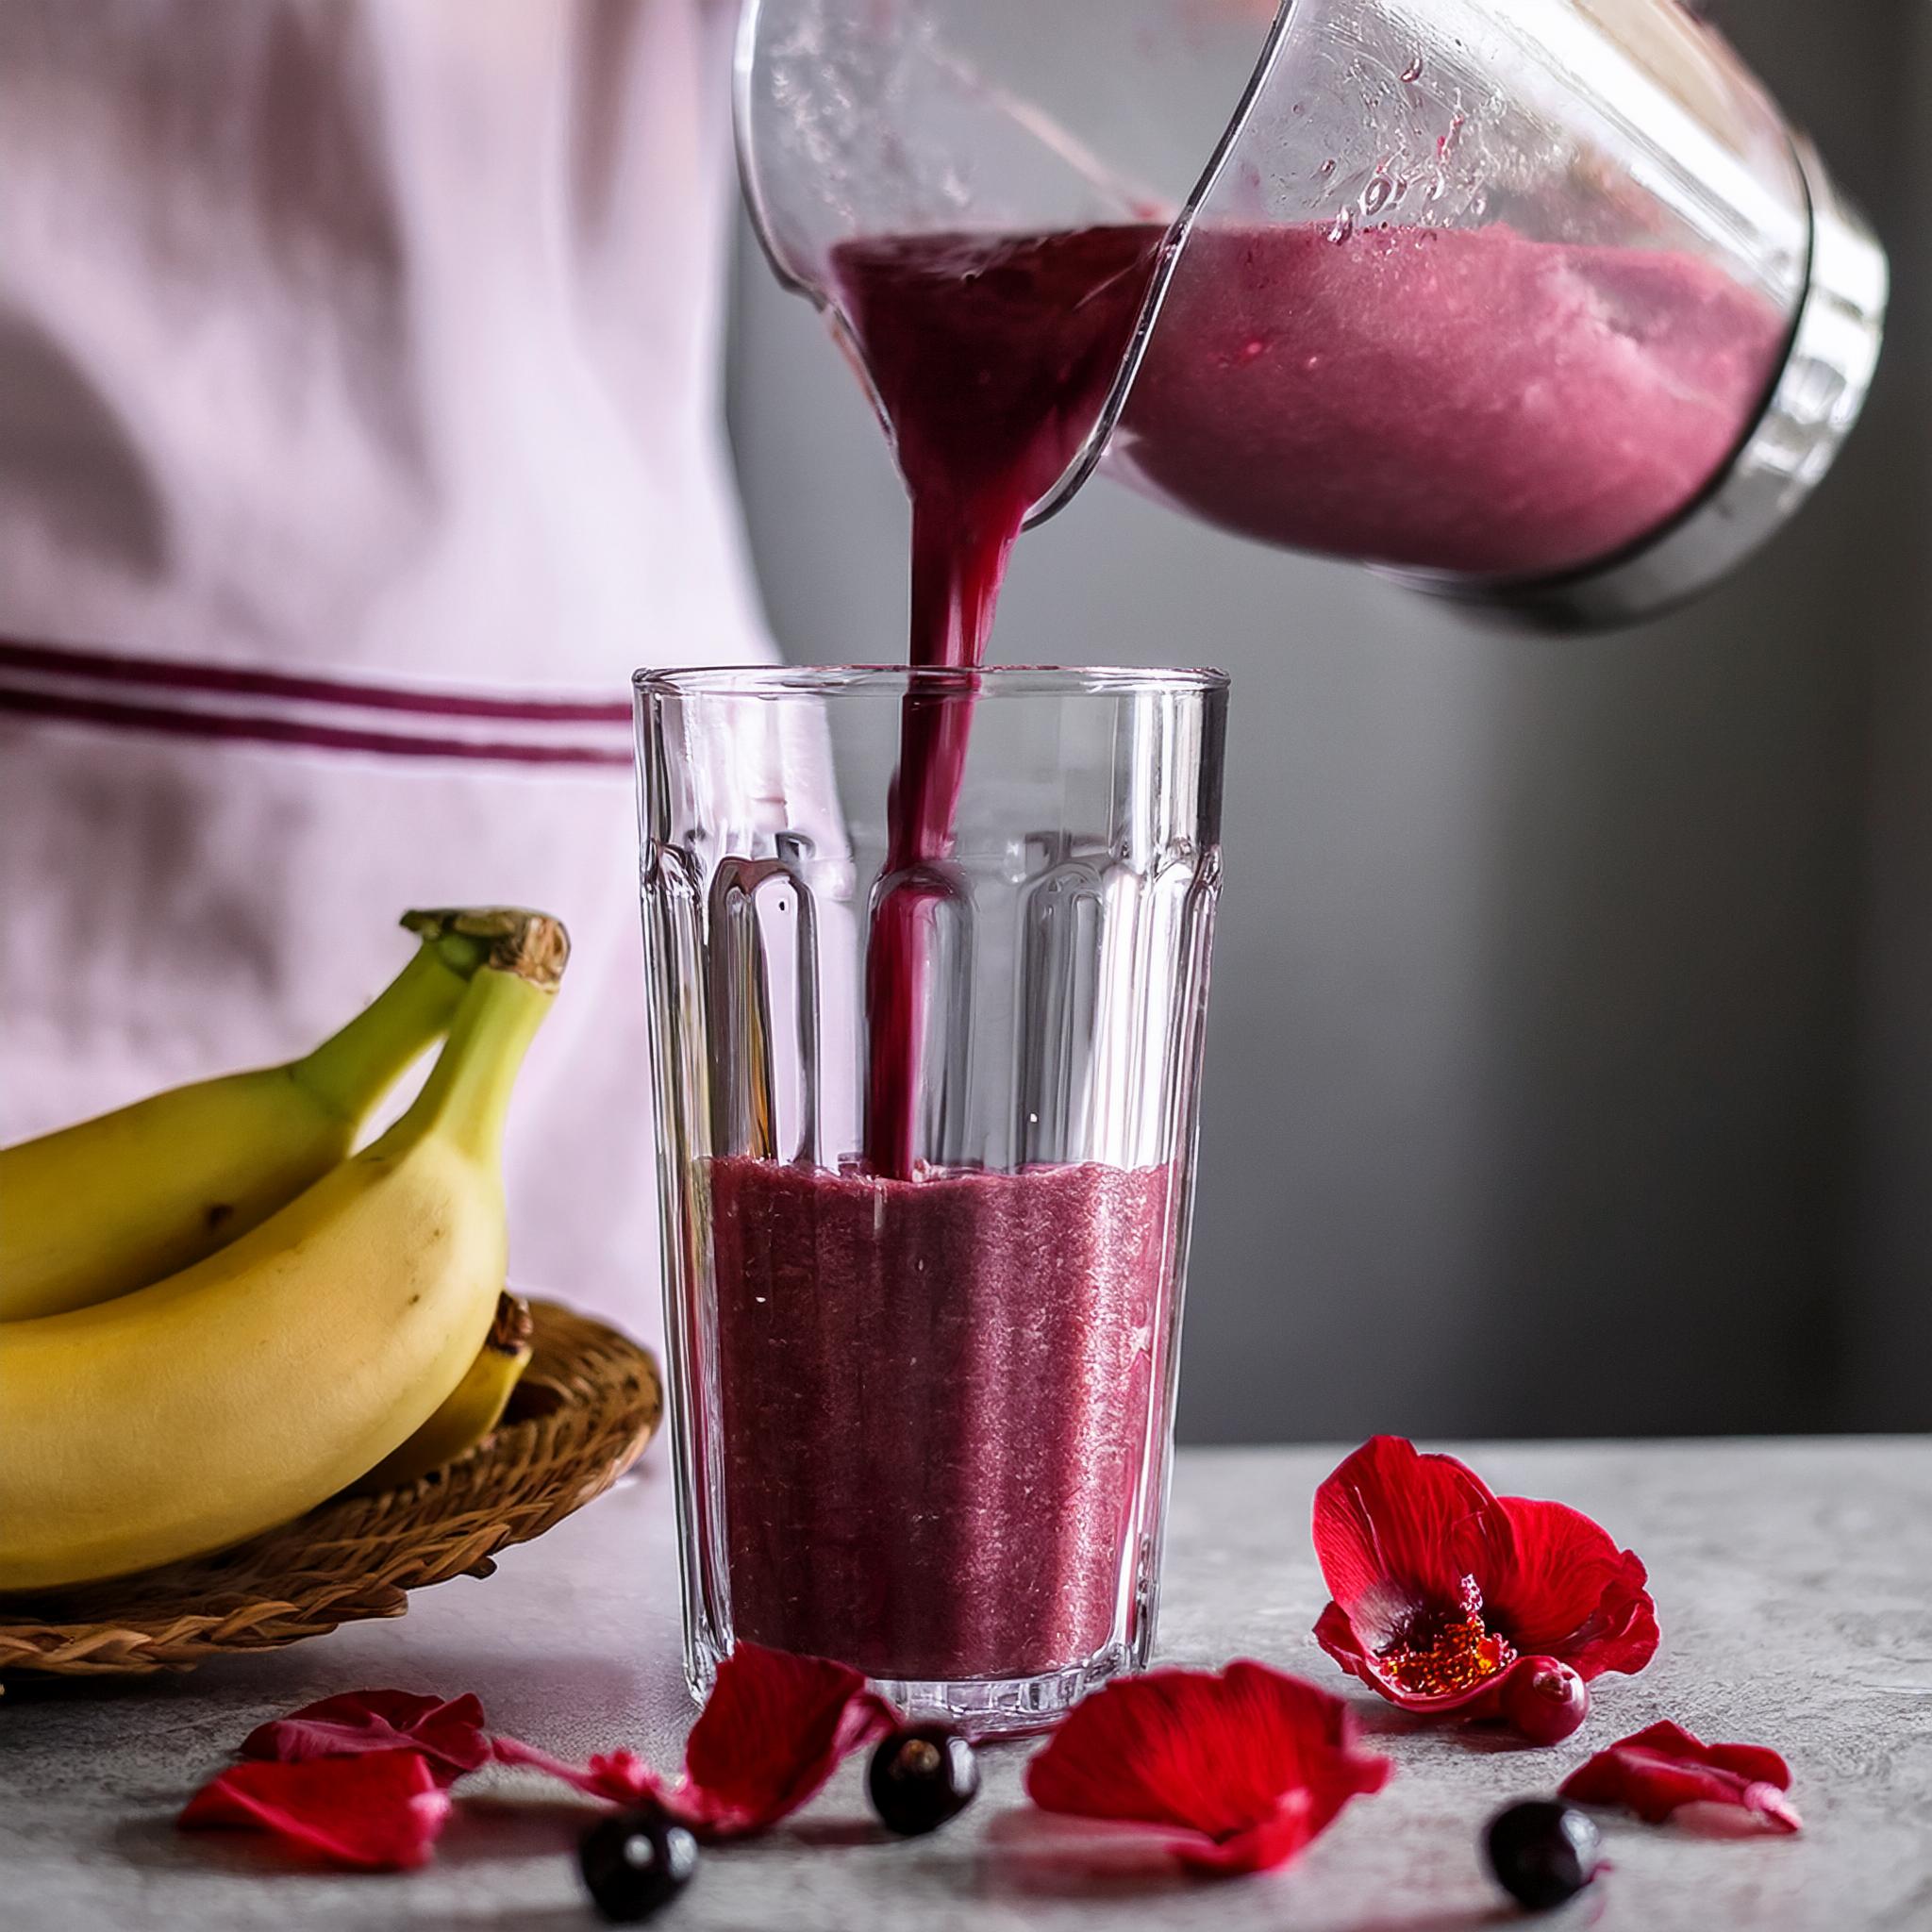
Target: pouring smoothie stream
<point x="1022" y="1311"/>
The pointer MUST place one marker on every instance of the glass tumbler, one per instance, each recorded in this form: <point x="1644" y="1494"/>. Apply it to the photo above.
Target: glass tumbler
<point x="921" y="1412"/>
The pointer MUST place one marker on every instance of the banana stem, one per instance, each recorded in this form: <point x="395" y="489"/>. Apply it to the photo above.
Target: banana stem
<point x="352" y="1069"/>
<point x="355" y="1065"/>
<point x="530" y="945"/>
<point x="467" y="1095"/>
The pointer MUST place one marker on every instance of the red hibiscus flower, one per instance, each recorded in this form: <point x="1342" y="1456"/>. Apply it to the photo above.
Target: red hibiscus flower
<point x="1241" y="1770"/>
<point x="1449" y="1600"/>
<point x="379" y="1811"/>
<point x="1664" y="1769"/>
<point x="448" y="1733"/>
<point x="775" y="1729"/>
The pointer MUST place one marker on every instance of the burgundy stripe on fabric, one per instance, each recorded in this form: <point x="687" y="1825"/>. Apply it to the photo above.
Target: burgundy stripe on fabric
<point x="267" y="730"/>
<point x="165" y="675"/>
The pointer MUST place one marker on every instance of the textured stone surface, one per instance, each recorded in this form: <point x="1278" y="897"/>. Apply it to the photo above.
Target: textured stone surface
<point x="1795" y="1581"/>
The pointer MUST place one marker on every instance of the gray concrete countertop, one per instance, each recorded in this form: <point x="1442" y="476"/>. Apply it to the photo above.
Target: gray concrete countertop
<point x="1793" y="1580"/>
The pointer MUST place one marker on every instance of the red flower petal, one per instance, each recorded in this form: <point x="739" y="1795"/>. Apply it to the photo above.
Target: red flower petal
<point x="774" y="1730"/>
<point x="1396" y="1532"/>
<point x="1336" y="1635"/>
<point x="450" y="1735"/>
<point x="1661" y="1769"/>
<point x="1244" y="1769"/>
<point x="621" y="1777"/>
<point x="1568" y="1591"/>
<point x="1410" y="1543"/>
<point x="377" y="1813"/>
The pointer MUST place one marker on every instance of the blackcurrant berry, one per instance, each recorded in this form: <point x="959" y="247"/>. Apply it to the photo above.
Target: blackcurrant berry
<point x="920" y="1776"/>
<point x="1542" y="1850"/>
<point x="636" y="1862"/>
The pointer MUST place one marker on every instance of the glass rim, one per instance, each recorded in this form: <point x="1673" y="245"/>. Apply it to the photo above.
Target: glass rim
<point x="988" y="682"/>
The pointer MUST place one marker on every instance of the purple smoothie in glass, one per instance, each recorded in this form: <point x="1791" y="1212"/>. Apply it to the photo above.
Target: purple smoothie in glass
<point x="939" y="1409"/>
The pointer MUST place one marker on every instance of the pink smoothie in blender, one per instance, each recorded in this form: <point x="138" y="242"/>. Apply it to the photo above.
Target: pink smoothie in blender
<point x="1452" y="399"/>
<point x="1449" y="399"/>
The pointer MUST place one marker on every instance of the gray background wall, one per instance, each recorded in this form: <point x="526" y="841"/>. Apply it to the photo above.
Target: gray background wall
<point x="1570" y="1068"/>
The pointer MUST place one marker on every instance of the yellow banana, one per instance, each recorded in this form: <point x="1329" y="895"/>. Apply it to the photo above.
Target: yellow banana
<point x="115" y="1203"/>
<point x="472" y="1409"/>
<point x="236" y="1394"/>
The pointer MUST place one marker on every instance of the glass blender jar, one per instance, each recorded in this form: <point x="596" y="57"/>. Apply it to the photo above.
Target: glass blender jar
<point x="1537" y="304"/>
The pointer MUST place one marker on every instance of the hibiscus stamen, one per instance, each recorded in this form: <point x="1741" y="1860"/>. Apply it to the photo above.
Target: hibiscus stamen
<point x="1446" y="1655"/>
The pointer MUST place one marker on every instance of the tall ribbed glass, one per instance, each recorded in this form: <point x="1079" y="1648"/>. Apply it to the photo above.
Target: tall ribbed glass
<point x="921" y="1414"/>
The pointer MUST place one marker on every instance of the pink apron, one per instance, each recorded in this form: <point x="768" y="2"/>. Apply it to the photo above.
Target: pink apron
<point x="358" y="435"/>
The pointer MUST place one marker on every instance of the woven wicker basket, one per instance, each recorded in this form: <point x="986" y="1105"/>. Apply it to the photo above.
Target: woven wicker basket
<point x="585" y="1407"/>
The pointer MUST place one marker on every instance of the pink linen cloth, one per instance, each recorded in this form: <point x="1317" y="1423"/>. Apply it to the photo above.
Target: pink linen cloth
<point x="359" y="362"/>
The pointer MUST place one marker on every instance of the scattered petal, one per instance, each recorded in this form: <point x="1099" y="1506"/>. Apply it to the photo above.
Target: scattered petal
<point x="1241" y="1770"/>
<point x="1439" y="1586"/>
<point x="1665" y="1768"/>
<point x="449" y="1734"/>
<point x="774" y="1730"/>
<point x="621" y="1777"/>
<point x="379" y="1811"/>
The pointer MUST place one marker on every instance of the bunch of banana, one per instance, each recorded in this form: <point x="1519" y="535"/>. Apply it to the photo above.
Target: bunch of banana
<point x="142" y="1424"/>
<point x="118" y="1201"/>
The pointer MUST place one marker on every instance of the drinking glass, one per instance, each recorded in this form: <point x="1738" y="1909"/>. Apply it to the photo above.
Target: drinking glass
<point x="921" y="1414"/>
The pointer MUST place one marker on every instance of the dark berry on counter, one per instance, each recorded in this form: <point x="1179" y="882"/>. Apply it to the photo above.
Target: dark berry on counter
<point x="1542" y="1851"/>
<point x="920" y="1776"/>
<point x="636" y="1862"/>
